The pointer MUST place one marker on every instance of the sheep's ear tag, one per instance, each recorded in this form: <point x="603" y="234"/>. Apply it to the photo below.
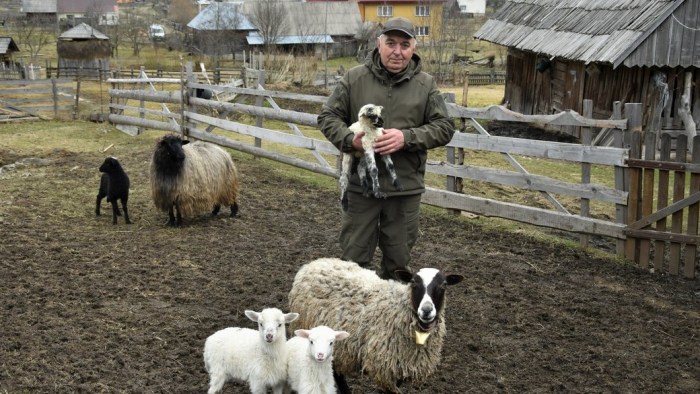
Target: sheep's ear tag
<point x="421" y="337"/>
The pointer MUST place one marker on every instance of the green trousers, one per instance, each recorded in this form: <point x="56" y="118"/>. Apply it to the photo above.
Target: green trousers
<point x="390" y="223"/>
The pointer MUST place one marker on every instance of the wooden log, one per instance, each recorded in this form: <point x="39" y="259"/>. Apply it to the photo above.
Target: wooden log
<point x="662" y="202"/>
<point x="678" y="194"/>
<point x="171" y="97"/>
<point x="684" y="110"/>
<point x="586" y="140"/>
<point x="647" y="196"/>
<point x="690" y="259"/>
<point x="145" y="123"/>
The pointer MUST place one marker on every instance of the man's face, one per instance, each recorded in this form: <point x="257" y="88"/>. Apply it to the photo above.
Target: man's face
<point x="395" y="51"/>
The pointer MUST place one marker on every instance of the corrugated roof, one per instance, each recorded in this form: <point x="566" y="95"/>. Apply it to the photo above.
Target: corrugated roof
<point x="318" y="18"/>
<point x="7" y="44"/>
<point x="39" y="6"/>
<point x="587" y="30"/>
<point x="83" y="32"/>
<point x="80" y="6"/>
<point x="289" y="40"/>
<point x="221" y="16"/>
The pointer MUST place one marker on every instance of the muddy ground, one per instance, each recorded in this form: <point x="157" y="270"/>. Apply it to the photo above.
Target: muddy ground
<point x="88" y="307"/>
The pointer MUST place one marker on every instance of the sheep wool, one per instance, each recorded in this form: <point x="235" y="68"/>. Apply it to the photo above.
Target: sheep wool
<point x="205" y="179"/>
<point x="378" y="315"/>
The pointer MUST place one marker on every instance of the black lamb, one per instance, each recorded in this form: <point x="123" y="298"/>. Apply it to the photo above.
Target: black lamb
<point x="115" y="186"/>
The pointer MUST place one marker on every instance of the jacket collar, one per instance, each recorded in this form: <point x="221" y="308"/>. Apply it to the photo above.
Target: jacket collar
<point x="374" y="63"/>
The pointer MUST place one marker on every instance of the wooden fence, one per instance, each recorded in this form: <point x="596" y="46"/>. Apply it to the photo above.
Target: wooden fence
<point x="22" y="99"/>
<point x="198" y="118"/>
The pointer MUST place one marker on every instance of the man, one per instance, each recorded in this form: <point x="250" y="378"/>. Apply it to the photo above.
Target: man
<point x="415" y="120"/>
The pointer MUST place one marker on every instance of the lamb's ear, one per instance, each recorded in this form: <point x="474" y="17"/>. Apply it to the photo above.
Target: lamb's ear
<point x="403" y="275"/>
<point x="453" y="279"/>
<point x="339" y="335"/>
<point x="290" y="317"/>
<point x="302" y="333"/>
<point x="252" y="315"/>
<point x="185" y="142"/>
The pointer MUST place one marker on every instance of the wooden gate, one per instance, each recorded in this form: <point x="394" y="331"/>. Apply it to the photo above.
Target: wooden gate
<point x="649" y="234"/>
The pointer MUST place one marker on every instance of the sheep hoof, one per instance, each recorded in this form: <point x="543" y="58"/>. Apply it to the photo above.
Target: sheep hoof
<point x="216" y="210"/>
<point x="234" y="209"/>
<point x="398" y="186"/>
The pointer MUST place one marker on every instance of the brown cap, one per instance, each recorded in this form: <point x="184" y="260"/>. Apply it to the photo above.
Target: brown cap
<point x="401" y="24"/>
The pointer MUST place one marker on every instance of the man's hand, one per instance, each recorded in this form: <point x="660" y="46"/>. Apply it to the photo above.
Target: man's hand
<point x="357" y="142"/>
<point x="391" y="141"/>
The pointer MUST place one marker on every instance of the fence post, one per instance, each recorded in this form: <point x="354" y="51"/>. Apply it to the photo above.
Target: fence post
<point x="693" y="213"/>
<point x="492" y="76"/>
<point x="633" y="112"/>
<point x="76" y="113"/>
<point x="191" y="78"/>
<point x="451" y="181"/>
<point x="620" y="176"/>
<point x="54" y="89"/>
<point x="586" y="140"/>
<point x="259" y="103"/>
<point x="142" y="103"/>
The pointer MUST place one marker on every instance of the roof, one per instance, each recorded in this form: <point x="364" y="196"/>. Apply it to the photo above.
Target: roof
<point x="606" y="31"/>
<point x="335" y="18"/>
<point x="80" y="6"/>
<point x="221" y="16"/>
<point x="39" y="6"/>
<point x="83" y="31"/>
<point x="7" y="44"/>
<point x="401" y="1"/>
<point x="256" y="39"/>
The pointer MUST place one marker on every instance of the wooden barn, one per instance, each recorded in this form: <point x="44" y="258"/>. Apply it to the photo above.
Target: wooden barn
<point x="561" y="52"/>
<point x="83" y="49"/>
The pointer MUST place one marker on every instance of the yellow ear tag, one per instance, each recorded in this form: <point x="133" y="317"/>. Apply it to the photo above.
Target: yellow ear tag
<point x="421" y="337"/>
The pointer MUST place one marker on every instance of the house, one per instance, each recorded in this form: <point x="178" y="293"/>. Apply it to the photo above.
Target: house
<point x="8" y="48"/>
<point x="39" y="9"/>
<point x="220" y="28"/>
<point x="473" y="7"/>
<point x="426" y="15"/>
<point x="561" y="53"/>
<point x="315" y="27"/>
<point x="107" y="11"/>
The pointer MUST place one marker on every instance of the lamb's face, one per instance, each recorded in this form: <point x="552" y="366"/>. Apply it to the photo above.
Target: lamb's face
<point x="373" y="113"/>
<point x="428" y="294"/>
<point x="271" y="323"/>
<point x="109" y="165"/>
<point x="321" y="340"/>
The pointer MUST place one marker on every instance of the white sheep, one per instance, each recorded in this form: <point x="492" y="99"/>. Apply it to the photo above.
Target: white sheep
<point x="398" y="329"/>
<point x="370" y="122"/>
<point x="249" y="355"/>
<point x="310" y="360"/>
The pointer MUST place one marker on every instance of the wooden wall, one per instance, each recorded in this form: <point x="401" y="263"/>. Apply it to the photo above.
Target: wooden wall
<point x="566" y="83"/>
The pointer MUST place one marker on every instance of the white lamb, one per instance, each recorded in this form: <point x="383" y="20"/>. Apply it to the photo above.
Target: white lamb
<point x="249" y="355"/>
<point x="310" y="360"/>
<point x="370" y="122"/>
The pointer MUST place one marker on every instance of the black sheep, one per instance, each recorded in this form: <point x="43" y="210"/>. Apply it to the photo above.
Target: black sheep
<point x="115" y="186"/>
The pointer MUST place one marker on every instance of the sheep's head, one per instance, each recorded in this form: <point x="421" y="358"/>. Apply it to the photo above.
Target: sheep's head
<point x="321" y="341"/>
<point x="373" y="113"/>
<point x="110" y="165"/>
<point x="271" y="323"/>
<point x="172" y="146"/>
<point x="427" y="296"/>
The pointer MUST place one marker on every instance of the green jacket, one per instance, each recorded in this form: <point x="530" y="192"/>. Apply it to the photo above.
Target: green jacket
<point x="412" y="103"/>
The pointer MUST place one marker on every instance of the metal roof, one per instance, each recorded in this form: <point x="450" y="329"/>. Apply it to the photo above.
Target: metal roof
<point x="605" y="31"/>
<point x="335" y="18"/>
<point x="289" y="40"/>
<point x="83" y="32"/>
<point x="7" y="44"/>
<point x="221" y="16"/>
<point x="39" y="6"/>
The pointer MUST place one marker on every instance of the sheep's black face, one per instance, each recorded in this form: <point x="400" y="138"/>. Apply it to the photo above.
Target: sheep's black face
<point x="428" y="294"/>
<point x="110" y="164"/>
<point x="173" y="147"/>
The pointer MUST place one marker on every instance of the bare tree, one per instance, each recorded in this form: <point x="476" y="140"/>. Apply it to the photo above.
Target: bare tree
<point x="134" y="30"/>
<point x="270" y="17"/>
<point x="33" y="34"/>
<point x="182" y="11"/>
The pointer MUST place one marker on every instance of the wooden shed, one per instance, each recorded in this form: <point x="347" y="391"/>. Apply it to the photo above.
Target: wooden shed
<point x="561" y="52"/>
<point x="7" y="48"/>
<point x="83" y="47"/>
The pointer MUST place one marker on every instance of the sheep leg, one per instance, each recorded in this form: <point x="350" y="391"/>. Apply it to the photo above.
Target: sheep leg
<point x="171" y="216"/>
<point x="115" y="211"/>
<point x="258" y="388"/>
<point x="342" y="384"/>
<point x="179" y="215"/>
<point x="217" y="207"/>
<point x="126" y="211"/>
<point x="374" y="173"/>
<point x="392" y="171"/>
<point x="234" y="209"/>
<point x="362" y="172"/>
<point x="216" y="382"/>
<point x="97" y="205"/>
<point x="344" y="175"/>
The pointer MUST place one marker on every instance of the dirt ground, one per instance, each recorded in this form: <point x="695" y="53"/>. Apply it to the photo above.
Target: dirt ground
<point x="88" y="307"/>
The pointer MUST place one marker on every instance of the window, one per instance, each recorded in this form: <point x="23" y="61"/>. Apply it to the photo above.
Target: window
<point x="385" y="10"/>
<point x="422" y="31"/>
<point x="462" y="8"/>
<point x="422" y="10"/>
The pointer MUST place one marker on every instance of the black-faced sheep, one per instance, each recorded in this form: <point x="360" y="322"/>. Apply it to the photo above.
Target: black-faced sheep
<point x="370" y="122"/>
<point x="192" y="178"/>
<point x="114" y="185"/>
<point x="254" y="356"/>
<point x="397" y="330"/>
